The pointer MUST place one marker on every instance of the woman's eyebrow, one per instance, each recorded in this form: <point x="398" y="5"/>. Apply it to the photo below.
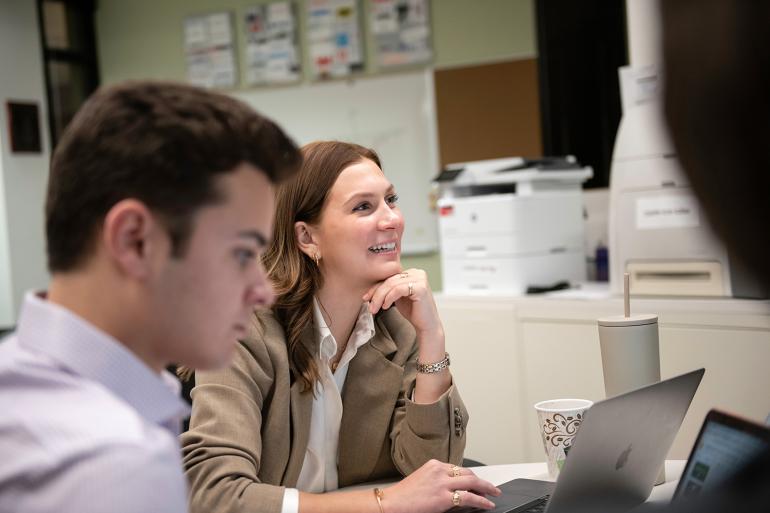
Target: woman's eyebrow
<point x="365" y="195"/>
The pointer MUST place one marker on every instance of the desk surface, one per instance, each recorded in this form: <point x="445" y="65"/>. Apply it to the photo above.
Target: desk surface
<point x="499" y="474"/>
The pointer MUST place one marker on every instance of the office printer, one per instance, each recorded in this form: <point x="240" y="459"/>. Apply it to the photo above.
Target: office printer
<point x="512" y="223"/>
<point x="658" y="232"/>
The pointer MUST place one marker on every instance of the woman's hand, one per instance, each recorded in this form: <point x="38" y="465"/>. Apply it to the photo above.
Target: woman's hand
<point x="410" y="292"/>
<point x="431" y="489"/>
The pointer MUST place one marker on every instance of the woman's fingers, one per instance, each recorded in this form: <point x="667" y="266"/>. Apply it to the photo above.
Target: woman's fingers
<point x="407" y="290"/>
<point x="387" y="292"/>
<point x="437" y="486"/>
<point x="465" y="498"/>
<point x="475" y="483"/>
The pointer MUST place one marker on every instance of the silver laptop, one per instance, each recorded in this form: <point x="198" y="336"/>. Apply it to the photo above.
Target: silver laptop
<point x="615" y="457"/>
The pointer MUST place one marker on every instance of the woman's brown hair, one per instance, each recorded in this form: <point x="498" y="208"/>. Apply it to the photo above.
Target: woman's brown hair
<point x="295" y="276"/>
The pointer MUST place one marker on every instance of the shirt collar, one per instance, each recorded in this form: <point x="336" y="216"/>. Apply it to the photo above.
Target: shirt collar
<point x="89" y="352"/>
<point x="363" y="331"/>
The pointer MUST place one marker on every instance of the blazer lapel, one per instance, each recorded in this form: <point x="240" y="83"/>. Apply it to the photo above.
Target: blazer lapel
<point x="301" y="410"/>
<point x="371" y="391"/>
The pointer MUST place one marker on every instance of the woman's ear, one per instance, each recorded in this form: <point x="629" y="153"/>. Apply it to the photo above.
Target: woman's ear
<point x="305" y="240"/>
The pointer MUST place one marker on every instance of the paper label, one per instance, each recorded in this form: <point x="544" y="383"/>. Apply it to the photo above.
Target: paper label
<point x="667" y="212"/>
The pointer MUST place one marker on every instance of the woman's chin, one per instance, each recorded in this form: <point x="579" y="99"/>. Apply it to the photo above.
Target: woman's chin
<point x="384" y="273"/>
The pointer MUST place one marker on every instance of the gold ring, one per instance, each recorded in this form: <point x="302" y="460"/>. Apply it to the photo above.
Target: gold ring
<point x="456" y="498"/>
<point x="455" y="471"/>
<point x="411" y="288"/>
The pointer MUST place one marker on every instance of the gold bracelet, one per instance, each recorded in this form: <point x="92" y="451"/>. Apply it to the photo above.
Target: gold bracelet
<point x="378" y="494"/>
<point x="430" y="368"/>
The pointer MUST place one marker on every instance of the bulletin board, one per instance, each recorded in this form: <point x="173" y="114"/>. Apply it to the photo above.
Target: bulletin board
<point x="489" y="111"/>
<point x="394" y="114"/>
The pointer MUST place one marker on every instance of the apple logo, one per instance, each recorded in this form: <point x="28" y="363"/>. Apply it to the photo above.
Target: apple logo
<point x="623" y="458"/>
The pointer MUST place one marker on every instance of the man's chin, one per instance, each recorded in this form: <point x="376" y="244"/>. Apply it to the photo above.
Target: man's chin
<point x="216" y="360"/>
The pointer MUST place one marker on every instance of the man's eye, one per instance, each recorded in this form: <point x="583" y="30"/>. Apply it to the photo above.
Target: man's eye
<point x="245" y="256"/>
<point x="361" y="207"/>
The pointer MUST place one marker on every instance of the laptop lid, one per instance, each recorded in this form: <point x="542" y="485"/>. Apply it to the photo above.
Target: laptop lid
<point x="724" y="445"/>
<point x="621" y="447"/>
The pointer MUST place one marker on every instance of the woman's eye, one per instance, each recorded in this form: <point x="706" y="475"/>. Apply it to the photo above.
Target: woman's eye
<point x="392" y="199"/>
<point x="361" y="207"/>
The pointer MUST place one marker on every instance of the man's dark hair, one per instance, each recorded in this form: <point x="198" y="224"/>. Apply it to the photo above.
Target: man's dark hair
<point x="717" y="73"/>
<point x="160" y="143"/>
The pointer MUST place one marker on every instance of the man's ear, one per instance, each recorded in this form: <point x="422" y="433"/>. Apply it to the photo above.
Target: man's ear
<point x="305" y="239"/>
<point x="130" y="237"/>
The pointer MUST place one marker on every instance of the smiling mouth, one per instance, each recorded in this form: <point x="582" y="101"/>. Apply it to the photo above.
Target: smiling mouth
<point x="383" y="248"/>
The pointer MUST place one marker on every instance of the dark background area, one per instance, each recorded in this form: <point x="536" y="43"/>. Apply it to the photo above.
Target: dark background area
<point x="580" y="47"/>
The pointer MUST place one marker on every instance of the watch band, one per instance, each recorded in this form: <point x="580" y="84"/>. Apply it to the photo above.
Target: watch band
<point x="430" y="368"/>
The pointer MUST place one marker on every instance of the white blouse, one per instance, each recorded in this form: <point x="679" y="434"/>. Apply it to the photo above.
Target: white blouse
<point x="319" y="468"/>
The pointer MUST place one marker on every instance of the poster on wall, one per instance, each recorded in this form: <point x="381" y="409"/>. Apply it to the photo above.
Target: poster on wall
<point x="401" y="30"/>
<point x="334" y="38"/>
<point x="210" y="50"/>
<point x="272" y="55"/>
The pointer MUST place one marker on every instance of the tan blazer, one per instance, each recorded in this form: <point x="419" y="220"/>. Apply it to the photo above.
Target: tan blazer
<point x="250" y="424"/>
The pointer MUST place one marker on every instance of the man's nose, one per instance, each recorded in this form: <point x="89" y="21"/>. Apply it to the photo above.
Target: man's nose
<point x="261" y="292"/>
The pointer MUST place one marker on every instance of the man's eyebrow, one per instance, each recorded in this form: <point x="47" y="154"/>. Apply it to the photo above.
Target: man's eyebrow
<point x="259" y="237"/>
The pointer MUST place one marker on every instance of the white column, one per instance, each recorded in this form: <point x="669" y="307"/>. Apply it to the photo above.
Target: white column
<point x="23" y="176"/>
<point x="644" y="33"/>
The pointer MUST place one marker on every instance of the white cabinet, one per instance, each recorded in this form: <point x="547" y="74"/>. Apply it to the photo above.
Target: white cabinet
<point x="509" y="353"/>
<point x="481" y="365"/>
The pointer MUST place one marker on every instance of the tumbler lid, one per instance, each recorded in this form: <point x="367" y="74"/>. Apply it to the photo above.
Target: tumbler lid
<point x="631" y="320"/>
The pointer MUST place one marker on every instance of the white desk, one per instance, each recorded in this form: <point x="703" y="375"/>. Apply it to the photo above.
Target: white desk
<point x="499" y="474"/>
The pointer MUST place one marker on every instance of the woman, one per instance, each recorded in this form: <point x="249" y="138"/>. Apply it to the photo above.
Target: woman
<point x="334" y="387"/>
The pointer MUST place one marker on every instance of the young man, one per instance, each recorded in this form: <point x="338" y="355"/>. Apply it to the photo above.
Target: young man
<point x="160" y="200"/>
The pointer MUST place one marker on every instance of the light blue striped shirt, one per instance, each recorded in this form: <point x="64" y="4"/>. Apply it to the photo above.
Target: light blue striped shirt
<point x="85" y="426"/>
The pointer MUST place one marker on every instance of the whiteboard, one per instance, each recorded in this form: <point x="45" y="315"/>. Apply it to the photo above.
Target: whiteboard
<point x="393" y="114"/>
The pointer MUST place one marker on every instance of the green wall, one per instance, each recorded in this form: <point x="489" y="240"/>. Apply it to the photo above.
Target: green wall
<point x="143" y="39"/>
<point x="477" y="31"/>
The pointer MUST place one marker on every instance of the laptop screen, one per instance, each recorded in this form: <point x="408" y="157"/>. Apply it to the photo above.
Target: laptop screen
<point x="725" y="444"/>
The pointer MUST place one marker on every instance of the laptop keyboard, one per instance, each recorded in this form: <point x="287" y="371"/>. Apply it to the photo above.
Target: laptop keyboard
<point x="539" y="507"/>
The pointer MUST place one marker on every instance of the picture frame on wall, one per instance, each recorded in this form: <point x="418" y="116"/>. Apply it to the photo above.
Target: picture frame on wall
<point x="272" y="48"/>
<point x="334" y="38"/>
<point x="209" y="46"/>
<point x="401" y="32"/>
<point x="24" y="127"/>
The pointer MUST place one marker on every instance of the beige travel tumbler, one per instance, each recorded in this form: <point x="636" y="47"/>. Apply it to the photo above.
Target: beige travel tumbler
<point x="630" y="352"/>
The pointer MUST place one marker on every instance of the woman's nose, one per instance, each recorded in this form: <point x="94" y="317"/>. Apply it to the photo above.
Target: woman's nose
<point x="391" y="219"/>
